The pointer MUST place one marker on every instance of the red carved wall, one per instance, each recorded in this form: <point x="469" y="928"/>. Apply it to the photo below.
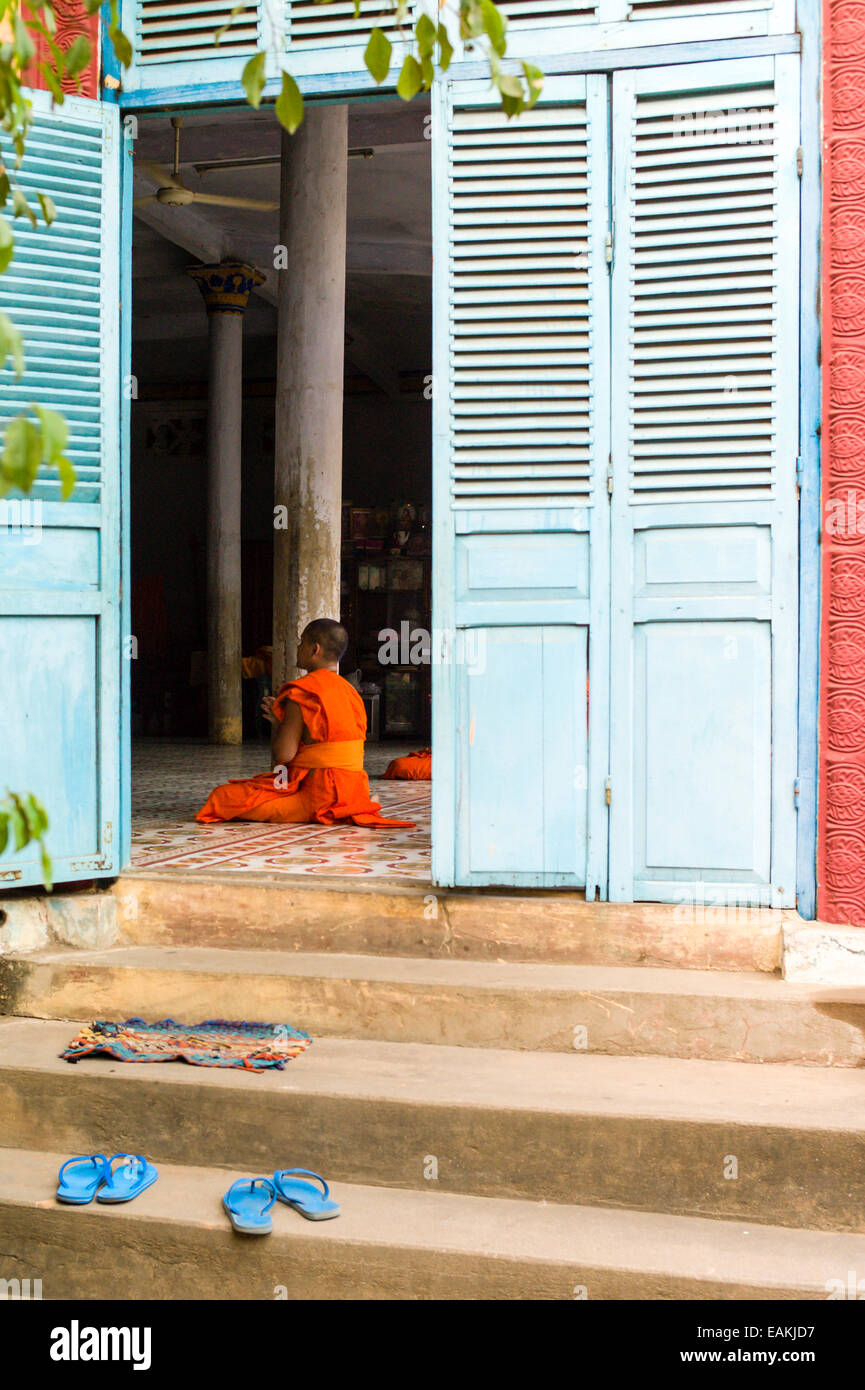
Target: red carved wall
<point x="71" y="19"/>
<point x="841" y="831"/>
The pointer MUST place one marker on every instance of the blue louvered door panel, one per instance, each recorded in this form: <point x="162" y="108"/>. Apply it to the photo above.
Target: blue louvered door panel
<point x="704" y="509"/>
<point x="59" y="560"/>
<point x="521" y="446"/>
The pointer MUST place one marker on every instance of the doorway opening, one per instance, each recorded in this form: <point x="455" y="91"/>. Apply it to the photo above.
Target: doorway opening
<point x="386" y="549"/>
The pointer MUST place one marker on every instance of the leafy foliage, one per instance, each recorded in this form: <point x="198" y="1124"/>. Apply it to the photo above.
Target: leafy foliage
<point x="23" y="821"/>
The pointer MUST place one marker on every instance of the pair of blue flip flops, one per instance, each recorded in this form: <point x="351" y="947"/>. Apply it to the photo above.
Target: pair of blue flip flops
<point x="92" y="1175"/>
<point x="249" y="1200"/>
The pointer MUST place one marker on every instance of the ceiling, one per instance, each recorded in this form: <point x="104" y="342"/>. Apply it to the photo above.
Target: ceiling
<point x="389" y="250"/>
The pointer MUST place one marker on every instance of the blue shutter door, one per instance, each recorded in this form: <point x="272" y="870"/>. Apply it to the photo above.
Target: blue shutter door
<point x="704" y="514"/>
<point x="522" y="529"/>
<point x="59" y="561"/>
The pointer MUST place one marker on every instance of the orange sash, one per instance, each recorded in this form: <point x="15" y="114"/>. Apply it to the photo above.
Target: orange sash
<point x="345" y="754"/>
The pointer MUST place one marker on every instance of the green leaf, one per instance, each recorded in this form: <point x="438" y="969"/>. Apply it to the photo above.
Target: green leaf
<point x="19" y="826"/>
<point x="471" y="19"/>
<point x="53" y="82"/>
<point x="22" y="453"/>
<point x="238" y="9"/>
<point x="49" y="211"/>
<point x="5" y="187"/>
<point x="121" y="45"/>
<point x="7" y="244"/>
<point x="377" y="57"/>
<point x="289" y="104"/>
<point x="91" y="6"/>
<point x="253" y="79"/>
<point x="24" y="45"/>
<point x="510" y="86"/>
<point x="4" y="830"/>
<point x="410" y="79"/>
<point x="67" y="477"/>
<point x="37" y="815"/>
<point x="47" y="872"/>
<point x="534" y="82"/>
<point x="11" y="344"/>
<point x="494" y="26"/>
<point x="78" y="55"/>
<point x="425" y="32"/>
<point x="55" y="432"/>
<point x="446" y="48"/>
<point x="21" y="207"/>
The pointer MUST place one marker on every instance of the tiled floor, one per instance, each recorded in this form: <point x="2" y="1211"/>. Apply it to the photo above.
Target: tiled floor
<point x="171" y="780"/>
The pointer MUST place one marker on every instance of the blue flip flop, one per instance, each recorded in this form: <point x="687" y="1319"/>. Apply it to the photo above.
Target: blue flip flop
<point x="79" y="1184"/>
<point x="304" y="1196"/>
<point x="128" y="1179"/>
<point x="248" y="1202"/>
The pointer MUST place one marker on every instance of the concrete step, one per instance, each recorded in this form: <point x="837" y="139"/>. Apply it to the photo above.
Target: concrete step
<point x="719" y="1139"/>
<point x="271" y="912"/>
<point x="619" y="1010"/>
<point x="174" y="1242"/>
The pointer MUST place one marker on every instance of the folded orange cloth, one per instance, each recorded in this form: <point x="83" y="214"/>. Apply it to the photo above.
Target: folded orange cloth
<point x="414" y="767"/>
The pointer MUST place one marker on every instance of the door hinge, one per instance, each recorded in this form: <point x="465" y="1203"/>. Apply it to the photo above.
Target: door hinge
<point x="610" y="475"/>
<point x="608" y="248"/>
<point x="608" y="791"/>
<point x="800" y="473"/>
<point x="796" y="790"/>
<point x="799" y="161"/>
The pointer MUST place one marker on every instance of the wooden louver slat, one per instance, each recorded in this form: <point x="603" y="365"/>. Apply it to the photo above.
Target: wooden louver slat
<point x="675" y="9"/>
<point x="703" y="297"/>
<point x="312" y="25"/>
<point x="520" y="327"/>
<point x="535" y="14"/>
<point x="180" y="32"/>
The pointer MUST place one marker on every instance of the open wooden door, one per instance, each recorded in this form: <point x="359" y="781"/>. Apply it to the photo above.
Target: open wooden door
<point x="60" y="561"/>
<point x="521" y="588"/>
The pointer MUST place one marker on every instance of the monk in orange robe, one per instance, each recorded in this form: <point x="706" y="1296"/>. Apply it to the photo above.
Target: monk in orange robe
<point x="414" y="767"/>
<point x="319" y="726"/>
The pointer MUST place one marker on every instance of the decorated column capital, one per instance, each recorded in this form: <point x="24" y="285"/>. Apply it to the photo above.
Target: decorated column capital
<point x="226" y="287"/>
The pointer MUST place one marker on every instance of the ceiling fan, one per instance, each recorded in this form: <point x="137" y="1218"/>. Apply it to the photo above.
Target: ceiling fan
<point x="173" y="194"/>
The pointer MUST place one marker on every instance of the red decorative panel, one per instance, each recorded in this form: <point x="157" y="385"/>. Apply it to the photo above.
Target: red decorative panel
<point x="841" y="833"/>
<point x="71" y="19"/>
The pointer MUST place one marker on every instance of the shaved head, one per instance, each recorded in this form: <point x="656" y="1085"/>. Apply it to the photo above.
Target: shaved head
<point x="331" y="636"/>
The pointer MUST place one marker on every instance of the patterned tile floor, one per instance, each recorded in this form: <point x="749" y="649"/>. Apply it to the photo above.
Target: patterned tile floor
<point x="171" y="780"/>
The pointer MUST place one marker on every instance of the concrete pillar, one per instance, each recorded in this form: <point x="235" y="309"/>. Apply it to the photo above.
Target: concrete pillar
<point x="309" y="380"/>
<point x="225" y="289"/>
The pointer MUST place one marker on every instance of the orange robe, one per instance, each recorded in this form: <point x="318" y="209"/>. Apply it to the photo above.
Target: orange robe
<point x="325" y="780"/>
<point x="414" y="767"/>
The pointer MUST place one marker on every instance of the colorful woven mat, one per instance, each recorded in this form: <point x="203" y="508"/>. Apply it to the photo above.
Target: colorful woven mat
<point x="214" y="1043"/>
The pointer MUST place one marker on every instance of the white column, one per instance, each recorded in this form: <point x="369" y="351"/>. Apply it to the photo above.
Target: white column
<point x="309" y="379"/>
<point x="226" y="291"/>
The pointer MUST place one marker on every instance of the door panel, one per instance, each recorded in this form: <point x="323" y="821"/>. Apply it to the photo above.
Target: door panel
<point x="702" y="758"/>
<point x="59" y="579"/>
<point x="704" y="575"/>
<point x="524" y="754"/>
